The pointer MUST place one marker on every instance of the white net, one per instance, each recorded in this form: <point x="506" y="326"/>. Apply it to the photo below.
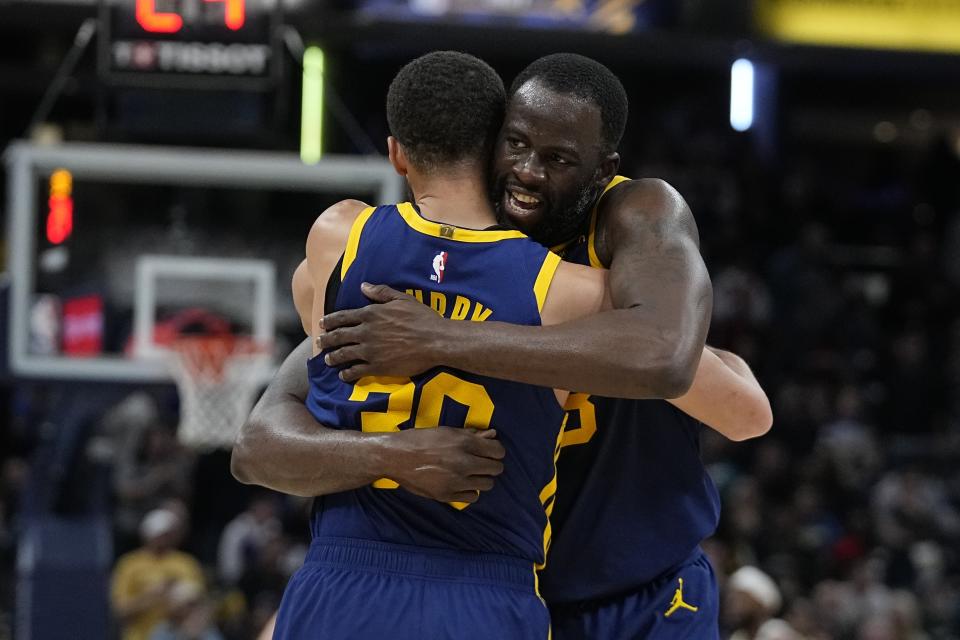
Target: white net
<point x="217" y="378"/>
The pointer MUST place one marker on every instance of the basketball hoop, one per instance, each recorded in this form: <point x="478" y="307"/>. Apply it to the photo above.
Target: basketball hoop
<point x="217" y="378"/>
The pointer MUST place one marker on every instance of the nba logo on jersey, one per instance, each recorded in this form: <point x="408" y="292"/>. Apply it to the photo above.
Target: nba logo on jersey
<point x="439" y="265"/>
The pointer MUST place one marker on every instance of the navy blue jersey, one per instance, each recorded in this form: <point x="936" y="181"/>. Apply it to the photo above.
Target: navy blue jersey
<point x="634" y="499"/>
<point x="464" y="275"/>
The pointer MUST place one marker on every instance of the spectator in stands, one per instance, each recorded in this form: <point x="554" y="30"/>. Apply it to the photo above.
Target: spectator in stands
<point x="146" y="580"/>
<point x="752" y="601"/>
<point x="909" y="506"/>
<point x="244" y="539"/>
<point x="190" y="618"/>
<point x="266" y="578"/>
<point x="152" y="466"/>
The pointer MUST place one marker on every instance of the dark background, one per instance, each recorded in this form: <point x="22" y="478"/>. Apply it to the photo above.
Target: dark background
<point x="831" y="231"/>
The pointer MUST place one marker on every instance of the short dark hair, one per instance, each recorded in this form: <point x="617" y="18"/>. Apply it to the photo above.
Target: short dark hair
<point x="446" y="107"/>
<point x="587" y="79"/>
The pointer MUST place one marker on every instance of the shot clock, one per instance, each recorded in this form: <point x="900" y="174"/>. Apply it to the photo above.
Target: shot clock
<point x="189" y="43"/>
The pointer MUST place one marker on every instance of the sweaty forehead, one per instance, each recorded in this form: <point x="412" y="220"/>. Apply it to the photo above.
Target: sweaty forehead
<point x="537" y="107"/>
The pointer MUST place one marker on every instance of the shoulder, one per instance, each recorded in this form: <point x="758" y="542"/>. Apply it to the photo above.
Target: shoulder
<point x="642" y="199"/>
<point x="333" y="225"/>
<point x="643" y="210"/>
<point x="340" y="213"/>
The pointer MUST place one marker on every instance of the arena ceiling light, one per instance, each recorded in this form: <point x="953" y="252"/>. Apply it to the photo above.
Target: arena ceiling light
<point x="741" y="94"/>
<point x="311" y="114"/>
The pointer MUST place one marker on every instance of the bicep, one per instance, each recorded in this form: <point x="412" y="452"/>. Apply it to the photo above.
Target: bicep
<point x="659" y="266"/>
<point x="650" y="240"/>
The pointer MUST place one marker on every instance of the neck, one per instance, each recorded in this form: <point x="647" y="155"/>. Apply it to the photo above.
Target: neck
<point x="461" y="200"/>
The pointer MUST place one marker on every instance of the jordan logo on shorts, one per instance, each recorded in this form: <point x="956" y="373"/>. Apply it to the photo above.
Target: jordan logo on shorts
<point x="678" y="603"/>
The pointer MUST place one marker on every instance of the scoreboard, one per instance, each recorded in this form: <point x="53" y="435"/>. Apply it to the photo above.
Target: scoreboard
<point x="189" y="43"/>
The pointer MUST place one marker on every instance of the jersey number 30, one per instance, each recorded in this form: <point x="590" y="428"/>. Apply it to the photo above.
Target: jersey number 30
<point x="400" y="392"/>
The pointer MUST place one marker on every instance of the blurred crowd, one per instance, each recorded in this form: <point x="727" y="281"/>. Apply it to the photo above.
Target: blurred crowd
<point x="199" y="555"/>
<point x="836" y="277"/>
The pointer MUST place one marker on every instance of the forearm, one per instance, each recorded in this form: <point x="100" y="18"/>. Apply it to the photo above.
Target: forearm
<point x="282" y="447"/>
<point x="615" y="353"/>
<point x="726" y="400"/>
<point x="734" y="362"/>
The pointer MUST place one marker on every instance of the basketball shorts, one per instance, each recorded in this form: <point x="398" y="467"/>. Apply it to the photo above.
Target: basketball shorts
<point x="682" y="605"/>
<point x="357" y="590"/>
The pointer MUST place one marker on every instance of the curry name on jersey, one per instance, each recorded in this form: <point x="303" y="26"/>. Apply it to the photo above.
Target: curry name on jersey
<point x="466" y="275"/>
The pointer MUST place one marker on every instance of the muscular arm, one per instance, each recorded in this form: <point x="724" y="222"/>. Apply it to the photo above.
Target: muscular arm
<point x="727" y="397"/>
<point x="648" y="347"/>
<point x="281" y="446"/>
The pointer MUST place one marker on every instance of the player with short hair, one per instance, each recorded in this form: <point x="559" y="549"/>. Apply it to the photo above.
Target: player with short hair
<point x="553" y="154"/>
<point x="634" y="499"/>
<point x="385" y="562"/>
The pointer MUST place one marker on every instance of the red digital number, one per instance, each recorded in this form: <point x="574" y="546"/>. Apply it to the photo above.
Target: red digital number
<point x="234" y="13"/>
<point x="156" y="22"/>
<point x="234" y="16"/>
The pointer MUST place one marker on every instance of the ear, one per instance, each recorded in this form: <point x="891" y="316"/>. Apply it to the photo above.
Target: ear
<point x="608" y="168"/>
<point x="397" y="157"/>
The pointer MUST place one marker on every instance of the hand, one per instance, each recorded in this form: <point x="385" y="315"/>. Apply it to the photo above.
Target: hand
<point x="395" y="337"/>
<point x="446" y="464"/>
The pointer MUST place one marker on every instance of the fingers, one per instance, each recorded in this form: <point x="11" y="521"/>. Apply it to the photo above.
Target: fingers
<point x="336" y="338"/>
<point x="354" y="373"/>
<point x="481" y="483"/>
<point x="382" y="293"/>
<point x="345" y="318"/>
<point x="344" y="355"/>
<point x="487" y="447"/>
<point x="466" y="496"/>
<point x="484" y="467"/>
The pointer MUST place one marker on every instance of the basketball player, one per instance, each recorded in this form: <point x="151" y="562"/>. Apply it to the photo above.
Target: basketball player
<point x="729" y="400"/>
<point x="634" y="501"/>
<point x="384" y="562"/>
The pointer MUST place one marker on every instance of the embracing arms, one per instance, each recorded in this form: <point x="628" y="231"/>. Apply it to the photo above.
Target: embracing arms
<point x="648" y="347"/>
<point x="282" y="446"/>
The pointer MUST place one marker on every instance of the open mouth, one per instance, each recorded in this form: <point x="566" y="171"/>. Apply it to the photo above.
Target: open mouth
<point x="519" y="205"/>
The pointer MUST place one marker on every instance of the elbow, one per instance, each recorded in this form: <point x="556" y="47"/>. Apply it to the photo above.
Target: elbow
<point x="242" y="458"/>
<point x="674" y="375"/>
<point x="675" y="380"/>
<point x="754" y="423"/>
<point x="653" y="379"/>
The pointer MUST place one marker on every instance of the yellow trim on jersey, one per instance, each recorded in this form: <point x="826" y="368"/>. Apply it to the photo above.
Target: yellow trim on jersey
<point x="450" y="232"/>
<point x="551" y="487"/>
<point x="548" y="492"/>
<point x="353" y="240"/>
<point x="591" y="246"/>
<point x="542" y="284"/>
